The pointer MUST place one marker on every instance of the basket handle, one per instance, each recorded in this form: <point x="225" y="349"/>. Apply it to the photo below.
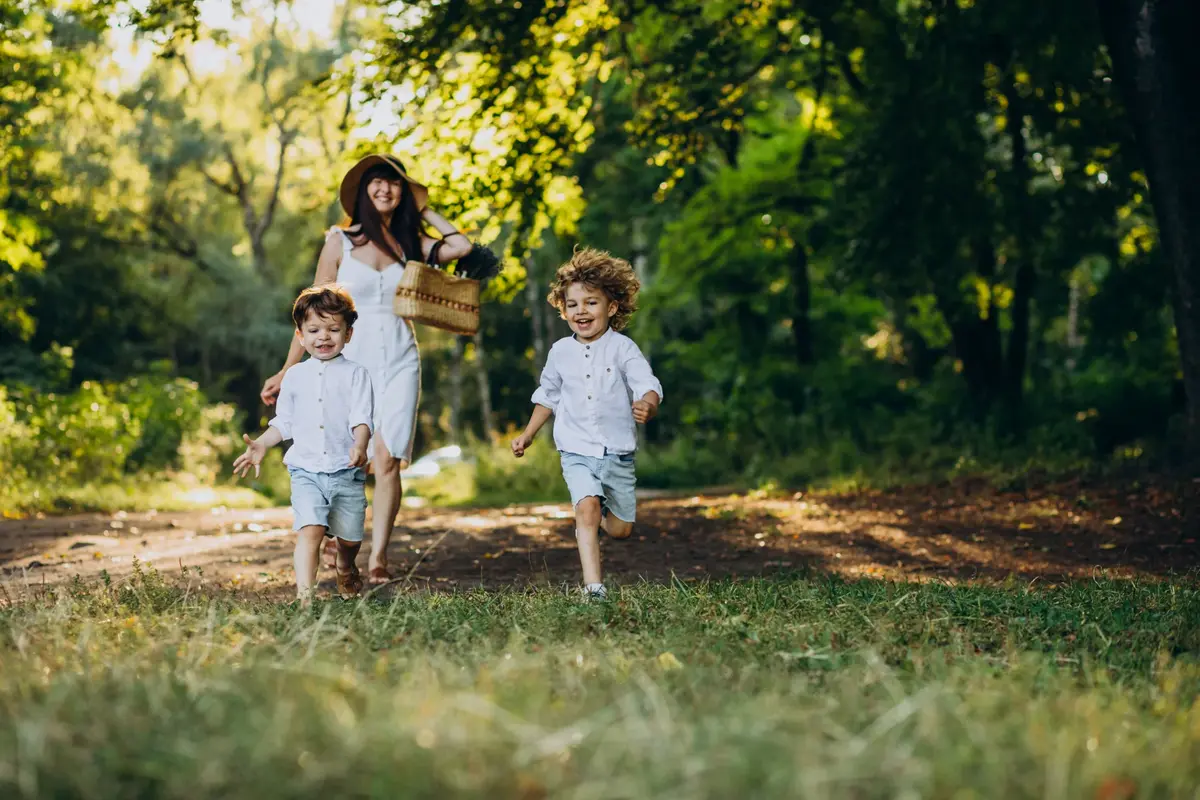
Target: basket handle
<point x="434" y="252"/>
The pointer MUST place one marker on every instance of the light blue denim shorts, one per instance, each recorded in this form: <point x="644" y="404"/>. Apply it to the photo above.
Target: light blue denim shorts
<point x="610" y="477"/>
<point x="335" y="500"/>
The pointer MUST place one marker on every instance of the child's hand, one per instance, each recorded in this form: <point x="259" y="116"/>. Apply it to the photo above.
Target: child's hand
<point x="643" y="412"/>
<point x="358" y="456"/>
<point x="255" y="451"/>
<point x="520" y="443"/>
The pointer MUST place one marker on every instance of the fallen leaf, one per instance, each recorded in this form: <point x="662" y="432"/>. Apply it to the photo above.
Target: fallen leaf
<point x="1116" y="789"/>
<point x="668" y="661"/>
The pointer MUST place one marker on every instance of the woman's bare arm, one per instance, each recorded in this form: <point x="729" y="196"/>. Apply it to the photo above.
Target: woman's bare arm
<point x="456" y="244"/>
<point x="327" y="271"/>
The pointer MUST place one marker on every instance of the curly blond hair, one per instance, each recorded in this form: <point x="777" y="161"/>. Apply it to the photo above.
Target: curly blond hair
<point x="598" y="270"/>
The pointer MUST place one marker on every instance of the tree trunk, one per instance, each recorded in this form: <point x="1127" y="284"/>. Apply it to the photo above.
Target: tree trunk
<point x="802" y="303"/>
<point x="534" y="302"/>
<point x="1156" y="65"/>
<point x="638" y="240"/>
<point x="456" y="395"/>
<point x="485" y="388"/>
<point x="1074" y="342"/>
<point x="1026" y="278"/>
<point x="976" y="342"/>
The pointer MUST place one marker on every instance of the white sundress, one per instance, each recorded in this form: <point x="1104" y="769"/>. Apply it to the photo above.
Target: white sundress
<point x="387" y="346"/>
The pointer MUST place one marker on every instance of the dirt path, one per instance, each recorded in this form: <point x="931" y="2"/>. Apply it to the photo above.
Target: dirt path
<point x="959" y="532"/>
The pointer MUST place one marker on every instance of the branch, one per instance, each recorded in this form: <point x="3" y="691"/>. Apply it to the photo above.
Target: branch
<point x="238" y="180"/>
<point x="264" y="223"/>
<point x="172" y="241"/>
<point x="852" y="80"/>
<point x="228" y="188"/>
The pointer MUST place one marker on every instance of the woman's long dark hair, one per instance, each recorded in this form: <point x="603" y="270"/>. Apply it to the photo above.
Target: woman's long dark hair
<point x="406" y="219"/>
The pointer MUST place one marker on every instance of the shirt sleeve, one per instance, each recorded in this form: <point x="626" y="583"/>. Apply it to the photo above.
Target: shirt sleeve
<point x="285" y="407"/>
<point x="362" y="400"/>
<point x="549" y="390"/>
<point x="638" y="375"/>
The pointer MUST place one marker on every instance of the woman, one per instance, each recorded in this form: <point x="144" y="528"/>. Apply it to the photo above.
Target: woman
<point x="386" y="209"/>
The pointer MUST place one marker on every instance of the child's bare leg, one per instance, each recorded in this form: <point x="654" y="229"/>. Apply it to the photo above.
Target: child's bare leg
<point x="308" y="548"/>
<point x="347" y="552"/>
<point x="587" y="532"/>
<point x="348" y="581"/>
<point x="616" y="527"/>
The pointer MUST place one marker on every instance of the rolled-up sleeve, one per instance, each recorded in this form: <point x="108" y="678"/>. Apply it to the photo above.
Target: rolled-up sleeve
<point x="285" y="407"/>
<point x="549" y="390"/>
<point x="638" y="373"/>
<point x="362" y="400"/>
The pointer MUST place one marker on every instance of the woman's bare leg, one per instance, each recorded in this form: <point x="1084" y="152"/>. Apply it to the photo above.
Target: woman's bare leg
<point x="386" y="505"/>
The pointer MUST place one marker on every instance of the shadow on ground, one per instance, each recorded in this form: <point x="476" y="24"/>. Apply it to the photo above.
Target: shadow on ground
<point x="957" y="532"/>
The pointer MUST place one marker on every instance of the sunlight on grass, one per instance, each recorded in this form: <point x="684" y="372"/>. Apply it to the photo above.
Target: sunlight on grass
<point x="800" y="687"/>
<point x="492" y="476"/>
<point x="135" y="495"/>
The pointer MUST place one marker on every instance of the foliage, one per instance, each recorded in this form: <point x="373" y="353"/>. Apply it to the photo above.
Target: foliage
<point x="805" y="685"/>
<point x="535" y="477"/>
<point x="874" y="240"/>
<point x="107" y="433"/>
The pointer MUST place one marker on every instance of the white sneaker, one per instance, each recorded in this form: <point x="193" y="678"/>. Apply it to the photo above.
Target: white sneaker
<point x="595" y="591"/>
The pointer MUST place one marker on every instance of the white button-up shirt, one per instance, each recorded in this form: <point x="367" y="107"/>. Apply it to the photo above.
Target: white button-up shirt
<point x="591" y="388"/>
<point x="320" y="404"/>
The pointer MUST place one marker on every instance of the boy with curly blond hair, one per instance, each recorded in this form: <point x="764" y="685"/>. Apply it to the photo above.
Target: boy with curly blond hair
<point x="597" y="384"/>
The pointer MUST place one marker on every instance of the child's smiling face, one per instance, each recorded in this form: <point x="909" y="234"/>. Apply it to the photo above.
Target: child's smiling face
<point x="324" y="336"/>
<point x="588" y="311"/>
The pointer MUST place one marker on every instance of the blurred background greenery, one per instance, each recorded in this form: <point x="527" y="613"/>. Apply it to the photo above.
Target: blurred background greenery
<point x="879" y="242"/>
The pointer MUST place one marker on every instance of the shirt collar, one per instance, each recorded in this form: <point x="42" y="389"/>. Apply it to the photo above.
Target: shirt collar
<point x="603" y="336"/>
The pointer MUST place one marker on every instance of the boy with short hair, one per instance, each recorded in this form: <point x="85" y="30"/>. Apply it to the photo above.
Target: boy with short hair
<point x="597" y="384"/>
<point x="325" y="407"/>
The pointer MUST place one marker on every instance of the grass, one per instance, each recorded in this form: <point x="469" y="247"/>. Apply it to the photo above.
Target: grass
<point x="806" y="686"/>
<point x="492" y="476"/>
<point x="134" y="494"/>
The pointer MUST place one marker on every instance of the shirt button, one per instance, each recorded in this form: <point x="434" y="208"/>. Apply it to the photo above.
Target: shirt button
<point x="322" y="427"/>
<point x="589" y="397"/>
<point x="589" y="376"/>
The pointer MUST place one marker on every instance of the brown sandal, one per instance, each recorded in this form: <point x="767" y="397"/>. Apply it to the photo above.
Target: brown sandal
<point x="378" y="576"/>
<point x="349" y="583"/>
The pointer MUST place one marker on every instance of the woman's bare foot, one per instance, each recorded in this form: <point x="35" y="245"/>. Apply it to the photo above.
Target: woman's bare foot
<point x="377" y="576"/>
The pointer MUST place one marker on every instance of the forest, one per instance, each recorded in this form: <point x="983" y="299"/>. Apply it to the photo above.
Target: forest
<point x="878" y="241"/>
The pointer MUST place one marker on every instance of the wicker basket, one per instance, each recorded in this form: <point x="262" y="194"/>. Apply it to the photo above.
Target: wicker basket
<point x="436" y="298"/>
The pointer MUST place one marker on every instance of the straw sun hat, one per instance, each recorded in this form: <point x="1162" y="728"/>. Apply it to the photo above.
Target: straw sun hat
<point x="349" y="191"/>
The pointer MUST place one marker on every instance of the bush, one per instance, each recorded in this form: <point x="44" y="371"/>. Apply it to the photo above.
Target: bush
<point x="536" y="477"/>
<point x="686" y="463"/>
<point x="106" y="433"/>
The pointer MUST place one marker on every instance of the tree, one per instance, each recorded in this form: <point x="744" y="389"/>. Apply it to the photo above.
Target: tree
<point x="1157" y="65"/>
